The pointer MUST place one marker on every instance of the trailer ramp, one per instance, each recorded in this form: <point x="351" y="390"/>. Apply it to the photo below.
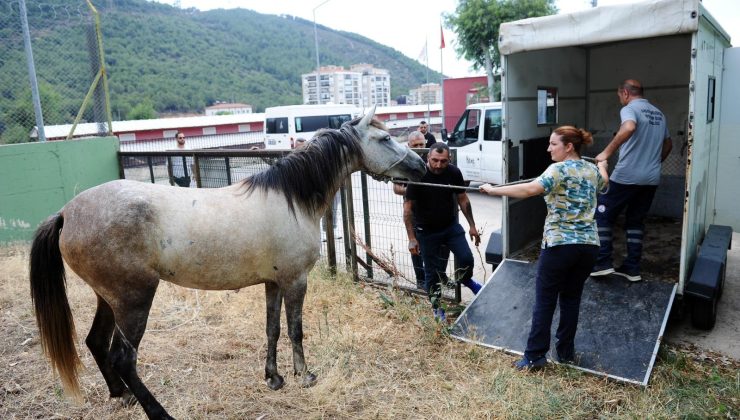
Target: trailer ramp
<point x="620" y="325"/>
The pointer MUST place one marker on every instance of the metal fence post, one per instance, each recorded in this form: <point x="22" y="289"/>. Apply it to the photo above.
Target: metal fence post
<point x="331" y="251"/>
<point x="348" y="218"/>
<point x="458" y="287"/>
<point x="196" y="169"/>
<point x="170" y="177"/>
<point x="228" y="170"/>
<point x="32" y="72"/>
<point x="366" y="223"/>
<point x="151" y="168"/>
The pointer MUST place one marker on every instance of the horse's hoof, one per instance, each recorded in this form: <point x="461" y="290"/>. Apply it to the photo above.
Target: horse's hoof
<point x="309" y="380"/>
<point x="127" y="399"/>
<point x="275" y="382"/>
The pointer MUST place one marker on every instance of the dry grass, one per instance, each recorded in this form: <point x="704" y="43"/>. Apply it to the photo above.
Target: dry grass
<point x="375" y="356"/>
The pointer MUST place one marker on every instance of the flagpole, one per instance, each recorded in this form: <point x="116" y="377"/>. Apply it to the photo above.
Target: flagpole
<point x="442" y="70"/>
<point x="426" y="53"/>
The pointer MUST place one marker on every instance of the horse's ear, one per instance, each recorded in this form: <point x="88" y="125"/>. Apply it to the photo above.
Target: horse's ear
<point x="365" y="122"/>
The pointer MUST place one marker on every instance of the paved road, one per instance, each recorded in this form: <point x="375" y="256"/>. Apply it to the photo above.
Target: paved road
<point x="725" y="336"/>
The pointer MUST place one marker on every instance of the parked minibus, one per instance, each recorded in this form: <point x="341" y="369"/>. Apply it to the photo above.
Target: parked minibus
<point x="283" y="124"/>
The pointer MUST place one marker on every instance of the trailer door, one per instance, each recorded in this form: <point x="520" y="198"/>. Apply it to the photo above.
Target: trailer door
<point x="727" y="210"/>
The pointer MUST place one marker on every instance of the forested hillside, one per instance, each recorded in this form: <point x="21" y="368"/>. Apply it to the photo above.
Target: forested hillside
<point x="184" y="60"/>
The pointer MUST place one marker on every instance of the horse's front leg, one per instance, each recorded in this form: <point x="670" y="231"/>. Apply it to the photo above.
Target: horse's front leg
<point x="274" y="297"/>
<point x="294" y="296"/>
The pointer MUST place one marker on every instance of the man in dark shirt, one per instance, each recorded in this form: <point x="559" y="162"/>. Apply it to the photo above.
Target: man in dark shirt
<point x="430" y="216"/>
<point x="429" y="137"/>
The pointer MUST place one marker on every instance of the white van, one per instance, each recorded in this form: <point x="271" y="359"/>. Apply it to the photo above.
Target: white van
<point x="283" y="124"/>
<point x="477" y="140"/>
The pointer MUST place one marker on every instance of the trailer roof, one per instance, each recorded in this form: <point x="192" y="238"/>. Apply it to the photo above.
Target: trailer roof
<point x="604" y="24"/>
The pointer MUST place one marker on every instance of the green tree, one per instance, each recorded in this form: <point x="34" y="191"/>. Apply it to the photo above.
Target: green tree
<point x="144" y="110"/>
<point x="15" y="133"/>
<point x="476" y="23"/>
<point x="21" y="118"/>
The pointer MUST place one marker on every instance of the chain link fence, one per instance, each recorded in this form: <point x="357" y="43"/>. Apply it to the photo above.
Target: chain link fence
<point x="377" y="251"/>
<point x="67" y="55"/>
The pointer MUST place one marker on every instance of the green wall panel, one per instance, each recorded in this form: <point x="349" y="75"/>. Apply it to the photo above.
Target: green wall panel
<point x="37" y="179"/>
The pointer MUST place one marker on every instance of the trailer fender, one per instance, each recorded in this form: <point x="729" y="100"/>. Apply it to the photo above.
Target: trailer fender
<point x="704" y="288"/>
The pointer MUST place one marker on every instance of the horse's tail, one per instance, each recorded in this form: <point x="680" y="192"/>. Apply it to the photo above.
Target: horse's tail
<point x="49" y="295"/>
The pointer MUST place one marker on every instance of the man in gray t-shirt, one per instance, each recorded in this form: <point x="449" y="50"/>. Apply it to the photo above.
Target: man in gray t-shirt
<point x="643" y="142"/>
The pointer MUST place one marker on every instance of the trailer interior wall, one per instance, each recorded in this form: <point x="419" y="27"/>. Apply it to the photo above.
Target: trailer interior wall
<point x="663" y="66"/>
<point x="561" y="68"/>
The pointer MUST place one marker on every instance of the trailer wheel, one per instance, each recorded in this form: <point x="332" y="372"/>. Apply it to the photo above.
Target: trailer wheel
<point x="704" y="313"/>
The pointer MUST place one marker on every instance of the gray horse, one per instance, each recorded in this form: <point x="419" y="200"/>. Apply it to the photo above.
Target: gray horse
<point x="123" y="237"/>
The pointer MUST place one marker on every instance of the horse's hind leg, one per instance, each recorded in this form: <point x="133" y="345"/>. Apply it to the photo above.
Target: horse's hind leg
<point x="99" y="342"/>
<point x="131" y="313"/>
<point x="274" y="301"/>
<point x="294" y="297"/>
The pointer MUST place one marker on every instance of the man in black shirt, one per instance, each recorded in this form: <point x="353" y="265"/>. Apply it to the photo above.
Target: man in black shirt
<point x="430" y="216"/>
<point x="429" y="137"/>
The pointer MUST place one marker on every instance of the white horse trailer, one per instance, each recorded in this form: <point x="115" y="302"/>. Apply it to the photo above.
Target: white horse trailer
<point x="564" y="70"/>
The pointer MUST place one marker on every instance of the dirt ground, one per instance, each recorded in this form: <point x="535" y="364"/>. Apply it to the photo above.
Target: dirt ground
<point x="377" y="352"/>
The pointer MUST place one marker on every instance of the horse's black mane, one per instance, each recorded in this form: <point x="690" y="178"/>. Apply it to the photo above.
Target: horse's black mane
<point x="309" y="176"/>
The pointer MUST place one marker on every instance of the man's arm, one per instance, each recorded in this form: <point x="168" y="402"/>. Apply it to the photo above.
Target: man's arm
<point x="399" y="189"/>
<point x="666" y="150"/>
<point x="467" y="210"/>
<point x="408" y="209"/>
<point x="625" y="132"/>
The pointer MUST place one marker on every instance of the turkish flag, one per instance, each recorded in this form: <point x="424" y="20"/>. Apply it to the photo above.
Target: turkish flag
<point x="442" y="37"/>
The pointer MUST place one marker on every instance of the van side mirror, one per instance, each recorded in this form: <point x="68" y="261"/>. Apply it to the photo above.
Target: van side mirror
<point x="444" y="134"/>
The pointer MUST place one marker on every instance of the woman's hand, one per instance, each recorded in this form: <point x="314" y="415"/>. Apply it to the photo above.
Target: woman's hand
<point x="487" y="189"/>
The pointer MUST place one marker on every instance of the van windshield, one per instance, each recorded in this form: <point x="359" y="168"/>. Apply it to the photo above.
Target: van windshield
<point x="492" y="125"/>
<point x="467" y="128"/>
<point x="276" y="125"/>
<point x="317" y="122"/>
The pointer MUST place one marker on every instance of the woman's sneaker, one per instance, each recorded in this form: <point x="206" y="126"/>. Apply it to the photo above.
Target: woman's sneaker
<point x="629" y="274"/>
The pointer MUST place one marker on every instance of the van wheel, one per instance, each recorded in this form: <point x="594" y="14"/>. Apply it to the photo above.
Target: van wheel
<point x="704" y="313"/>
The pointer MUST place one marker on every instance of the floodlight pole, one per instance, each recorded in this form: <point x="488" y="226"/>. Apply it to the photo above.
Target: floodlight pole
<point x="35" y="96"/>
<point x="316" y="42"/>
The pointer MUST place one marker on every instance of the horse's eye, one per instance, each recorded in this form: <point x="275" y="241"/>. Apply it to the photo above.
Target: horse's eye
<point x="386" y="138"/>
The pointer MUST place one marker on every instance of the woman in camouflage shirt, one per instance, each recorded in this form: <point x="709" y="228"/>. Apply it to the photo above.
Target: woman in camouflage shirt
<point x="570" y="242"/>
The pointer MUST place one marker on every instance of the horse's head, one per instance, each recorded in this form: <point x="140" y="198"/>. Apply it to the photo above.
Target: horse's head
<point x="384" y="156"/>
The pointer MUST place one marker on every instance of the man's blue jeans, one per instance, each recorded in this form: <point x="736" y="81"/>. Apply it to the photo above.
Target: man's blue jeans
<point x="561" y="272"/>
<point x="635" y="200"/>
<point x="453" y="237"/>
<point x="418" y="264"/>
